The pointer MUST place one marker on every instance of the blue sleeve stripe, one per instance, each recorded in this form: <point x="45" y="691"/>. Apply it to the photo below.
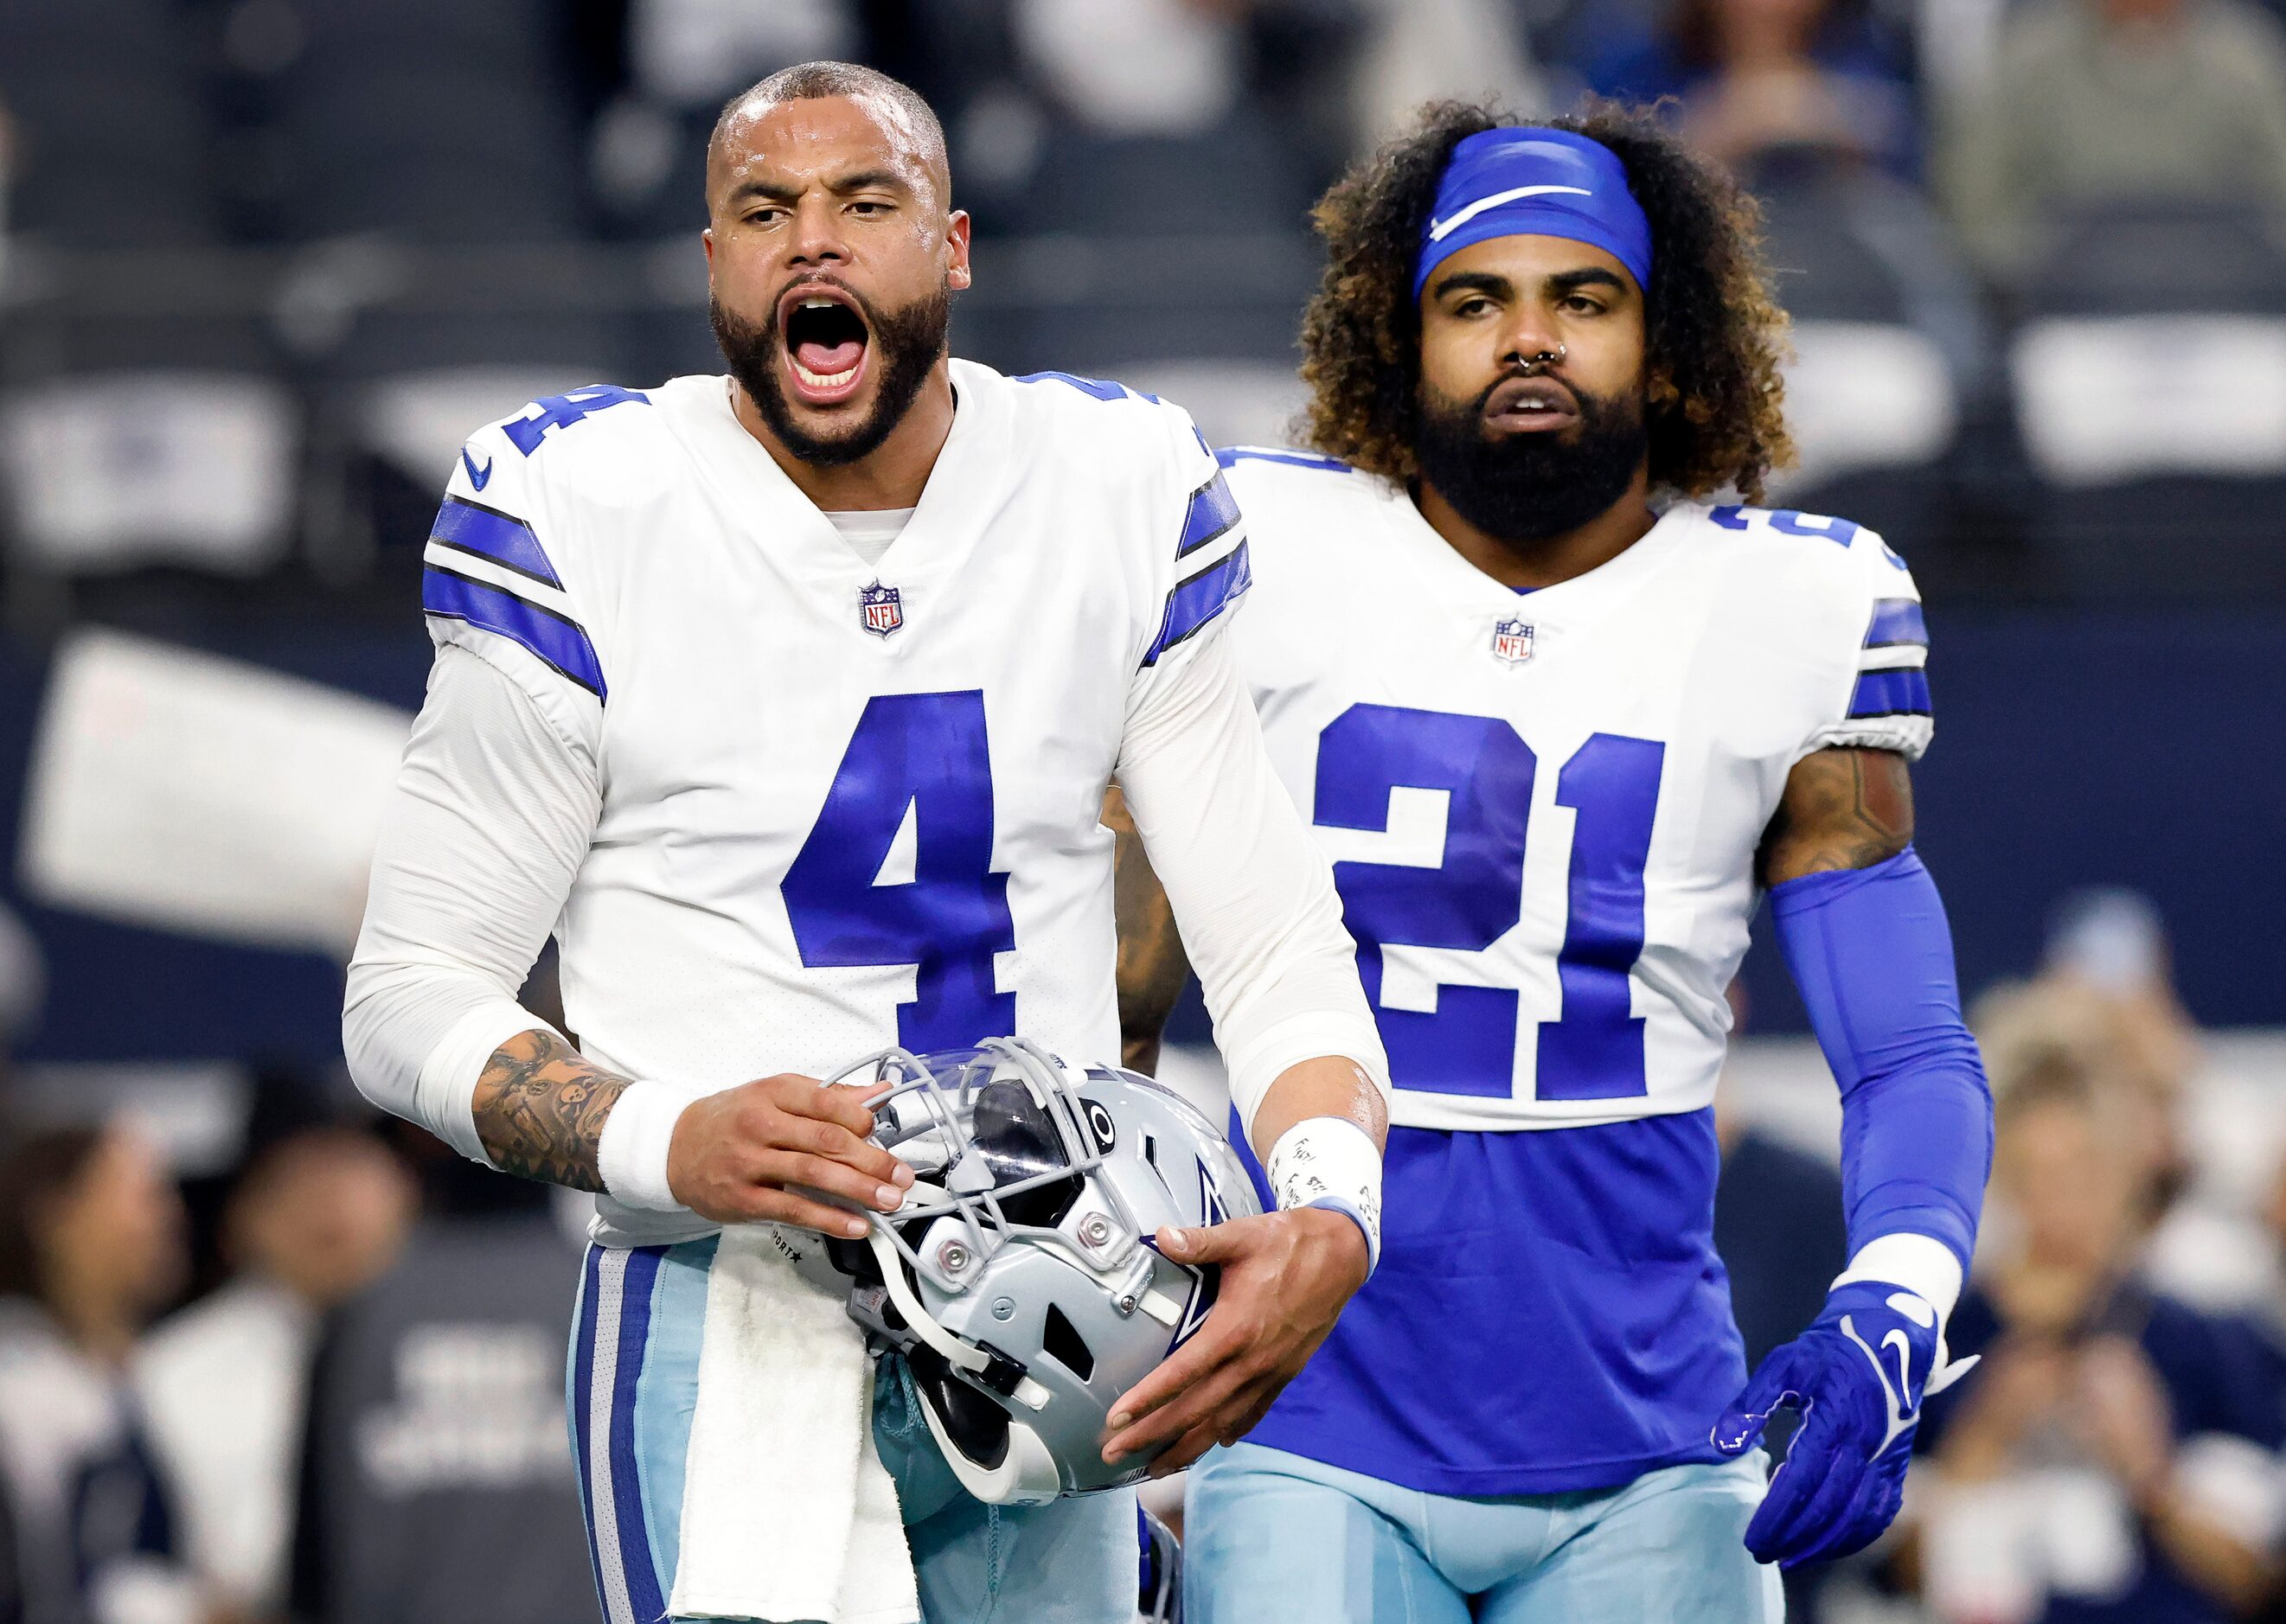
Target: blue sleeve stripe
<point x="547" y="635"/>
<point x="487" y="533"/>
<point x="1229" y="456"/>
<point x="1102" y="389"/>
<point x="1890" y="693"/>
<point x="1896" y="622"/>
<point x="1194" y="602"/>
<point x="1213" y="511"/>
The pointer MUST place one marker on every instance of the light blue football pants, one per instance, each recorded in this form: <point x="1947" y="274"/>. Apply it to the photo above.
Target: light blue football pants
<point x="633" y="1384"/>
<point x="1269" y="1535"/>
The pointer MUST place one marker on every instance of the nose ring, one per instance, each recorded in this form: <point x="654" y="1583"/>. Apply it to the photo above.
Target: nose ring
<point x="1545" y="357"/>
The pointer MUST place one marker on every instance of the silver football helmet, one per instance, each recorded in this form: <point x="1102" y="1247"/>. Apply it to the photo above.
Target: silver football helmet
<point x="1015" y="1279"/>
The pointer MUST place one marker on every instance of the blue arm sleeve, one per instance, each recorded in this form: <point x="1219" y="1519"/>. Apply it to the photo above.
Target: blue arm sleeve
<point x="1873" y="955"/>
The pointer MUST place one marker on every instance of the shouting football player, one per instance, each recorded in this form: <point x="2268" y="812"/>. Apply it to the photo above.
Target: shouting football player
<point x="786" y="700"/>
<point x="1562" y="718"/>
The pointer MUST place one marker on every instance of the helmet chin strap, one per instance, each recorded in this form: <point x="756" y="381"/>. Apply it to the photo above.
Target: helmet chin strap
<point x="957" y="1354"/>
<point x="924" y="1325"/>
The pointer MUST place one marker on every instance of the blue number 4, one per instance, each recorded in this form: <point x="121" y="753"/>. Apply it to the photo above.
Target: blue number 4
<point x="1476" y="894"/>
<point x="923" y="757"/>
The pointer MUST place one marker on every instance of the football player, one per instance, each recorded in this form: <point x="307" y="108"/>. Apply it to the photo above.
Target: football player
<point x="1563" y="718"/>
<point x="786" y="700"/>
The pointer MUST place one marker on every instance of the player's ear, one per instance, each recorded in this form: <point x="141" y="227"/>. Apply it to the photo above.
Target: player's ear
<point x="706" y="238"/>
<point x="958" y="274"/>
<point x="1658" y="386"/>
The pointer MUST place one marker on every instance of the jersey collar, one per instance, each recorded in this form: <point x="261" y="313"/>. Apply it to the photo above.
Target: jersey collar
<point x="1567" y="606"/>
<point x="966" y="488"/>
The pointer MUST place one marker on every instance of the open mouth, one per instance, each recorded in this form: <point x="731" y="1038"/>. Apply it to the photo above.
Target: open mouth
<point x="1530" y="405"/>
<point x="826" y="342"/>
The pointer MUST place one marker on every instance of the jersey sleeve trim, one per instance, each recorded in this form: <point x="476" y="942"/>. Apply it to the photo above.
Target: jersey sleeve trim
<point x="1198" y="599"/>
<point x="1899" y="692"/>
<point x="1898" y="623"/>
<point x="1231" y="456"/>
<point x="470" y="527"/>
<point x="554" y="639"/>
<point x="1212" y="512"/>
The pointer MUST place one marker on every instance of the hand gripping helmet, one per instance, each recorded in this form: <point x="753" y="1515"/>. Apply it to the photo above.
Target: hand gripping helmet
<point x="1015" y="1279"/>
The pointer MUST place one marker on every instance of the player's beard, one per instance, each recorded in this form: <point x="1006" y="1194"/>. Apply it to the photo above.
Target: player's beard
<point x="1523" y="488"/>
<point x="905" y="343"/>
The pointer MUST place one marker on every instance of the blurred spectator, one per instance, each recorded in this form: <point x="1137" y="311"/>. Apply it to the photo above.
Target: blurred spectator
<point x="2097" y="102"/>
<point x="1753" y="76"/>
<point x="90" y="1247"/>
<point x="697" y="53"/>
<point x="11" y="1578"/>
<point x="683" y="59"/>
<point x="2135" y="1037"/>
<point x="2111" y="1461"/>
<point x="1171" y="69"/>
<point x="317" y="1216"/>
<point x="1422" y="50"/>
<point x="1138" y="68"/>
<point x="23" y="985"/>
<point x="1778" y="1229"/>
<point x="1779" y="1220"/>
<point x="435" y="1421"/>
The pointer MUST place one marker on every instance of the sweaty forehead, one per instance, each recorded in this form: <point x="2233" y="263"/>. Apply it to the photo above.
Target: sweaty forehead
<point x="821" y="135"/>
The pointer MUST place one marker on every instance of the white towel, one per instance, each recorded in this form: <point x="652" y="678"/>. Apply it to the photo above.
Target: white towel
<point x="787" y="1511"/>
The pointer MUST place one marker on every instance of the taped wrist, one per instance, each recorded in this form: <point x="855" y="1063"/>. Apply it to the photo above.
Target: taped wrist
<point x="1330" y="1162"/>
<point x="631" y="1153"/>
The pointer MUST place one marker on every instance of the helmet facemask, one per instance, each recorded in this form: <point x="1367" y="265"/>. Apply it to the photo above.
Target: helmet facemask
<point x="1015" y="1278"/>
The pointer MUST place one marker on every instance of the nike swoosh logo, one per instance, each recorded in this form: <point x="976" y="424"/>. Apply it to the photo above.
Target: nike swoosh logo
<point x="477" y="477"/>
<point x="1438" y="230"/>
<point x="1900" y="1418"/>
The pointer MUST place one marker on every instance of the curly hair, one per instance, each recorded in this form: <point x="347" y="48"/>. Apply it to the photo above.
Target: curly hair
<point x="1714" y="332"/>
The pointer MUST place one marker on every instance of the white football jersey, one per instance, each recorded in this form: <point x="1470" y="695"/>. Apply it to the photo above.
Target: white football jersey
<point x="842" y="804"/>
<point x="1544" y="808"/>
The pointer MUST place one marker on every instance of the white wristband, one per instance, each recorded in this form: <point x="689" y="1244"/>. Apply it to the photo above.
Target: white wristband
<point x="1330" y="1162"/>
<point x="631" y="1155"/>
<point x="1921" y="1263"/>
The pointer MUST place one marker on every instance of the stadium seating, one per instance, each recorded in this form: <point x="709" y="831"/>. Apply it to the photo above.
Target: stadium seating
<point x="2149" y="382"/>
<point x="1885" y="338"/>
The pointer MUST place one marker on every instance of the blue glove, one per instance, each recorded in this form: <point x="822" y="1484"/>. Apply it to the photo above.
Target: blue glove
<point x="1857" y="1376"/>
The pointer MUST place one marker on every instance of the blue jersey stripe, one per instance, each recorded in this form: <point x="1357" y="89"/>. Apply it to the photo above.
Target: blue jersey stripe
<point x="1230" y="456"/>
<point x="562" y="643"/>
<point x="1196" y="601"/>
<point x="1102" y="389"/>
<point x="1896" y="622"/>
<point x="487" y="533"/>
<point x="583" y="1379"/>
<point x="1213" y="511"/>
<point x="1890" y="693"/>
<point x="643" y="1592"/>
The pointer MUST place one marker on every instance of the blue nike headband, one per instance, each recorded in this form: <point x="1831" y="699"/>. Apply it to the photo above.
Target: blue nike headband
<point x="1531" y="182"/>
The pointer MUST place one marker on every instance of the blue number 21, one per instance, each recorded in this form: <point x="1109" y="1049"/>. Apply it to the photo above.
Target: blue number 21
<point x="1476" y="894"/>
<point x="925" y="755"/>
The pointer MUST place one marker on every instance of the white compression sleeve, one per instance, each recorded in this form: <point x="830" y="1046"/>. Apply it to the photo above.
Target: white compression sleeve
<point x="1251" y="893"/>
<point x="489" y="821"/>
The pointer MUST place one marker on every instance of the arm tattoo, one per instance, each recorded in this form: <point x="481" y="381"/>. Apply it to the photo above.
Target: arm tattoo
<point x="1841" y="810"/>
<point x="1152" y="964"/>
<point x="541" y="1106"/>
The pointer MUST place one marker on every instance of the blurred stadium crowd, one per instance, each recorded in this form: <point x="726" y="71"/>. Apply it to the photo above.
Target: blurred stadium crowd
<point x="2031" y="248"/>
<point x="264" y="263"/>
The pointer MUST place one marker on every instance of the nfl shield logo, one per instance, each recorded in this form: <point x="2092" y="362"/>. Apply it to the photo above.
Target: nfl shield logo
<point x="1512" y="642"/>
<point x="879" y="604"/>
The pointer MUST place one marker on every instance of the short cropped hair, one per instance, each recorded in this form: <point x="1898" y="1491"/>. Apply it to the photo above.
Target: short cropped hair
<point x="1714" y="332"/>
<point x="815" y="80"/>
